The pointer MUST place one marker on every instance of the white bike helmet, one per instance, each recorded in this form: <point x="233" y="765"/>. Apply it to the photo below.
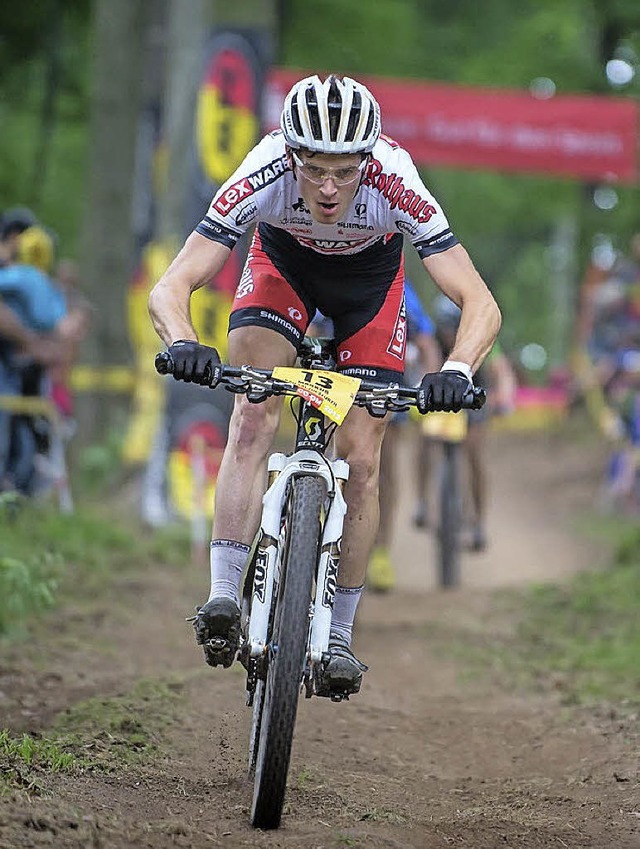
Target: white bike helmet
<point x="338" y="115"/>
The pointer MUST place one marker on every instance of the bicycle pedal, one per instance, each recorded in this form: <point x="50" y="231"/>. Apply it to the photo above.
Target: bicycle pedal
<point x="339" y="697"/>
<point x="218" y="651"/>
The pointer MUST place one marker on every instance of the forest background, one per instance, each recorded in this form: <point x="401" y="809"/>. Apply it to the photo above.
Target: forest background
<point x="530" y="236"/>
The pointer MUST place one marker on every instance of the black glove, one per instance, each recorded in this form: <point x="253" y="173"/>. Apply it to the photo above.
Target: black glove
<point x="195" y="363"/>
<point x="442" y="390"/>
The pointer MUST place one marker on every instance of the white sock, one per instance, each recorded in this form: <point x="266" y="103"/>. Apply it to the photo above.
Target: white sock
<point x="227" y="559"/>
<point x="344" y="611"/>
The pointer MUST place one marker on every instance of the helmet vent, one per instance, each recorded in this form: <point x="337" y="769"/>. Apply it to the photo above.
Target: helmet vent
<point x="354" y="117"/>
<point x="314" y="114"/>
<point x="295" y="115"/>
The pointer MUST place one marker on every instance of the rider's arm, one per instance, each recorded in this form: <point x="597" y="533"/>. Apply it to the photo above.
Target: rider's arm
<point x="198" y="262"/>
<point x="13" y="330"/>
<point x="504" y="383"/>
<point x="454" y="273"/>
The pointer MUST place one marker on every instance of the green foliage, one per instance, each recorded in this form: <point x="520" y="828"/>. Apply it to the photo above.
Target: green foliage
<point x="48" y="40"/>
<point x="23" y="759"/>
<point x="583" y="638"/>
<point x="47" y="557"/>
<point x="27" y="579"/>
<point x="505" y="220"/>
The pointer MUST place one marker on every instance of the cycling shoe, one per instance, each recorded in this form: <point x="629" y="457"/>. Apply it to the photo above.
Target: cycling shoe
<point x="217" y="627"/>
<point x="341" y="675"/>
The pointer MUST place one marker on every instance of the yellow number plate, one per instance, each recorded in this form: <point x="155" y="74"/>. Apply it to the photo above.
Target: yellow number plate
<point x="327" y="391"/>
<point x="449" y="427"/>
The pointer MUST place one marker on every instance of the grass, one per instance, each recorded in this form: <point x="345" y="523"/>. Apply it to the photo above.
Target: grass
<point x="96" y="734"/>
<point x="582" y="639"/>
<point x="123" y="728"/>
<point x="49" y="558"/>
<point x="24" y="759"/>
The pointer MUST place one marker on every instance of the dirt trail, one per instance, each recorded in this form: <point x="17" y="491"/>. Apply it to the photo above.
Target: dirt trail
<point x="424" y="757"/>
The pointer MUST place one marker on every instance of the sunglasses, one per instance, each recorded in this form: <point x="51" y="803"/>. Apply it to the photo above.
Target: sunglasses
<point x="318" y="174"/>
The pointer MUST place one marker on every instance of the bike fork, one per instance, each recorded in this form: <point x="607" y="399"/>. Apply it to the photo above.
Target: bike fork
<point x="268" y="553"/>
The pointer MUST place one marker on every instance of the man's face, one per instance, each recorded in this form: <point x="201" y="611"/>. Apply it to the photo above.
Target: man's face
<point x="327" y="182"/>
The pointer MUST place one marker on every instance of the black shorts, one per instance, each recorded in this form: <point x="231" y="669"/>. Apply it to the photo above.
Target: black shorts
<point x="284" y="283"/>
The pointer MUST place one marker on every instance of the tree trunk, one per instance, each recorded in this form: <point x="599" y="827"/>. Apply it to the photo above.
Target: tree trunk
<point x="107" y="248"/>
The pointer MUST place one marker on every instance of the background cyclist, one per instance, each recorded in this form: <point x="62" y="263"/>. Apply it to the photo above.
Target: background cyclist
<point x="332" y="199"/>
<point x="423" y="355"/>
<point x="497" y="374"/>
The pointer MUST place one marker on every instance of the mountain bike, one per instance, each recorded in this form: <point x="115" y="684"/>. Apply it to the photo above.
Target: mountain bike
<point x="449" y="430"/>
<point x="291" y="574"/>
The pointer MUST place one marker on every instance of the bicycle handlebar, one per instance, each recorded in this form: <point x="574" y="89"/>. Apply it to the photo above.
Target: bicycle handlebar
<point x="259" y="384"/>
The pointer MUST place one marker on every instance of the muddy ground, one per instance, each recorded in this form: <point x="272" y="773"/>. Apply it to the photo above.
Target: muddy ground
<point x="433" y="753"/>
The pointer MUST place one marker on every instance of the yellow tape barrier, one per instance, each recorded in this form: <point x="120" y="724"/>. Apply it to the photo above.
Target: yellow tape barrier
<point x="105" y="379"/>
<point x="30" y="406"/>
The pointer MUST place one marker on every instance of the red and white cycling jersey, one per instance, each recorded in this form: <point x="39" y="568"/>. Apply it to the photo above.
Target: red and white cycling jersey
<point x="391" y="199"/>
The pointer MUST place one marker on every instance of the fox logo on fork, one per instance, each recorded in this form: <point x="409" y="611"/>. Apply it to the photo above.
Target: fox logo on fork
<point x="331" y="580"/>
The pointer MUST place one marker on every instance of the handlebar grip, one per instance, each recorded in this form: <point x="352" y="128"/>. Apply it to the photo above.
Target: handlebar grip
<point x="475" y="398"/>
<point x="164" y="363"/>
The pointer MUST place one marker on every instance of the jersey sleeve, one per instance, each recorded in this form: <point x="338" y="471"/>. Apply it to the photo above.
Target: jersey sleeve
<point x="413" y="209"/>
<point x="237" y="204"/>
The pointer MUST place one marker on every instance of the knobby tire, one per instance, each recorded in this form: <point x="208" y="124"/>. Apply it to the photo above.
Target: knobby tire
<point x="286" y="665"/>
<point x="450" y="518"/>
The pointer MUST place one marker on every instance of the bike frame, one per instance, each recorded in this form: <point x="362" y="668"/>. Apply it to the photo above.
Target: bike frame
<point x="308" y="459"/>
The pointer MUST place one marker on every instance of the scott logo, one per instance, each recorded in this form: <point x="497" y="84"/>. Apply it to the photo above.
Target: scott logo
<point x="313" y="428"/>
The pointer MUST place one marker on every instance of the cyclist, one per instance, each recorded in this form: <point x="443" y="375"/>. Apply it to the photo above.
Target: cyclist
<point x="332" y="199"/>
<point x="497" y="373"/>
<point x="423" y="355"/>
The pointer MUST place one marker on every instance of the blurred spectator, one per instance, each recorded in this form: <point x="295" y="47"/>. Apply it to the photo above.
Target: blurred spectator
<point x="608" y="368"/>
<point x="37" y="330"/>
<point x="74" y="327"/>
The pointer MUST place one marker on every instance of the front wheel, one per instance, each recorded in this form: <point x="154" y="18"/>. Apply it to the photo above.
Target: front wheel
<point x="287" y="649"/>
<point x="450" y="517"/>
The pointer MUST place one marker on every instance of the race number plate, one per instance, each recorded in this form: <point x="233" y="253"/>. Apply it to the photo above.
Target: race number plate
<point x="448" y="427"/>
<point x="327" y="391"/>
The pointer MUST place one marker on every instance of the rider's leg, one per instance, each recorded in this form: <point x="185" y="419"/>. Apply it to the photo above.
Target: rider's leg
<point x="242" y="476"/>
<point x="380" y="574"/>
<point x="359" y="441"/>
<point x="424" y="451"/>
<point x="475" y="448"/>
<point x="240" y="486"/>
<point x="387" y="483"/>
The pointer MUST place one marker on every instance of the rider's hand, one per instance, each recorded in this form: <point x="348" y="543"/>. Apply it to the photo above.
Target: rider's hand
<point x="443" y="390"/>
<point x="195" y="363"/>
